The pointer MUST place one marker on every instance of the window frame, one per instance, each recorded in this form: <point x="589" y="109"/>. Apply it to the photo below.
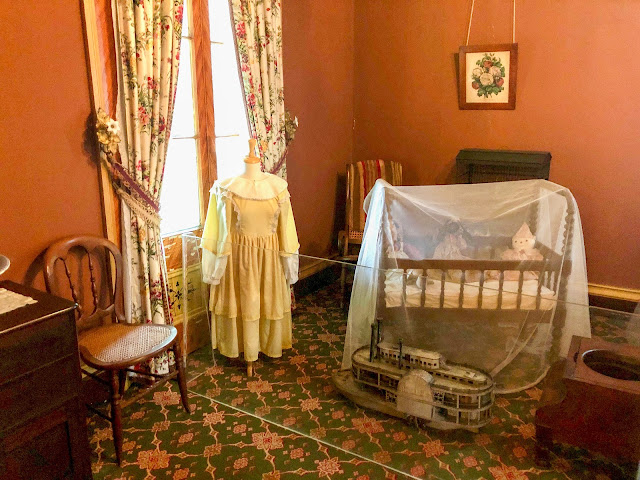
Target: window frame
<point x="202" y="87"/>
<point x="197" y="17"/>
<point x="201" y="42"/>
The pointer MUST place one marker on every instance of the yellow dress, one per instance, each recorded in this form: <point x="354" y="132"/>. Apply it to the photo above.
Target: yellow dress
<point x="250" y="256"/>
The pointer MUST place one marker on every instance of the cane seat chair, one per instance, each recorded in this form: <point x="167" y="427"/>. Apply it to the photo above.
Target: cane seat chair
<point x="106" y="342"/>
<point x="361" y="176"/>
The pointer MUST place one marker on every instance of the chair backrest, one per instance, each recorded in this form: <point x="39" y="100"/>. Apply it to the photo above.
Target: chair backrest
<point x="78" y="267"/>
<point x="360" y="179"/>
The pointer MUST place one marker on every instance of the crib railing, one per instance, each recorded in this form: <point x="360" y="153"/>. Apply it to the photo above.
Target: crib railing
<point x="548" y="271"/>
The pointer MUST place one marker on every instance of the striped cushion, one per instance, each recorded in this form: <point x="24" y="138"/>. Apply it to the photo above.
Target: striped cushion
<point x="360" y="179"/>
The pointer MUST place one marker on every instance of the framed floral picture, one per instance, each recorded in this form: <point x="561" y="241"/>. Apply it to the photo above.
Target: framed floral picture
<point x="487" y="79"/>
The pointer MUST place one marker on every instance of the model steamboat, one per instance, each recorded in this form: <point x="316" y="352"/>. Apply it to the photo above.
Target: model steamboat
<point x="413" y="383"/>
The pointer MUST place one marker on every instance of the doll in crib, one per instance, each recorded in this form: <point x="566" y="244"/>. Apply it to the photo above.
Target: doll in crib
<point x="400" y="249"/>
<point x="523" y="243"/>
<point x="453" y="242"/>
<point x="453" y="245"/>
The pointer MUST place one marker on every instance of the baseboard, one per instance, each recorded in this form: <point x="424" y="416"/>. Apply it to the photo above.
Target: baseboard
<point x="616" y="298"/>
<point x="619" y="293"/>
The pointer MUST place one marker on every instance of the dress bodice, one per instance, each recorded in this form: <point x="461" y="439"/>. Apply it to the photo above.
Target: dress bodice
<point x="255" y="218"/>
<point x="242" y="210"/>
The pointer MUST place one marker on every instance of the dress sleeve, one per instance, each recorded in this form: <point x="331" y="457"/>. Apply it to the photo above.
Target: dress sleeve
<point x="215" y="245"/>
<point x="288" y="239"/>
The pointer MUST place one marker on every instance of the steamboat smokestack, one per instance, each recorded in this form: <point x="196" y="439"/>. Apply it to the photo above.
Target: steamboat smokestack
<point x="400" y="353"/>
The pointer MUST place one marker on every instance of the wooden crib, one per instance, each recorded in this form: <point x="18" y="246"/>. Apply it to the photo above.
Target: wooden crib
<point x="551" y="273"/>
<point x="422" y="316"/>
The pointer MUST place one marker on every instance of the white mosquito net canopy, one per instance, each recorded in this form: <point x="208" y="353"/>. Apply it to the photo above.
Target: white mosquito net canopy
<point x="490" y="275"/>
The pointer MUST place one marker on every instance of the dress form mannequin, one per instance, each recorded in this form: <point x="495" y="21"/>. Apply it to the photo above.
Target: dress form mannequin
<point x="252" y="170"/>
<point x="250" y="257"/>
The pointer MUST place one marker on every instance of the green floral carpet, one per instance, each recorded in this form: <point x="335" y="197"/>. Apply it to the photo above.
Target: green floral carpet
<point x="288" y="422"/>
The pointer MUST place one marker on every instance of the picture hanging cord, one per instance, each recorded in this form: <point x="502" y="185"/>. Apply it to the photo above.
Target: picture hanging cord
<point x="473" y="3"/>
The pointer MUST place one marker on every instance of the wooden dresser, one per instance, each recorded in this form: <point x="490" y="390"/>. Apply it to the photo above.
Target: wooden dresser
<point x="43" y="432"/>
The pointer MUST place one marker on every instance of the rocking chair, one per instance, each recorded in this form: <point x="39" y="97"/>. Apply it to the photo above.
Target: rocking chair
<point x="361" y="177"/>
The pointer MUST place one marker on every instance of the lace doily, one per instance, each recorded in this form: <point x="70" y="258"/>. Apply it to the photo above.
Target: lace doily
<point x="11" y="300"/>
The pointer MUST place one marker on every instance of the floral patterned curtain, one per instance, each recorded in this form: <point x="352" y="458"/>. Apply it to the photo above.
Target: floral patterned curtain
<point x="258" y="31"/>
<point x="148" y="36"/>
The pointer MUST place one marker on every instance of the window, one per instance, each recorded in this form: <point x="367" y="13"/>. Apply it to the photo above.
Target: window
<point x="186" y="182"/>
<point x="180" y="198"/>
<point x="231" y="127"/>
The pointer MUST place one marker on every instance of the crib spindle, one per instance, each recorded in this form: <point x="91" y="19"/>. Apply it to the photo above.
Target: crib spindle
<point x="461" y="296"/>
<point x="442" y="279"/>
<point x="403" y="296"/>
<point x="540" y="280"/>
<point x="520" y="284"/>
<point x="539" y="296"/>
<point x="480" y="289"/>
<point x="423" y="293"/>
<point x="500" y="286"/>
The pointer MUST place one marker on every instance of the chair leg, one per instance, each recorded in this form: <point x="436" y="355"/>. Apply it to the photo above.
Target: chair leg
<point x="116" y="414"/>
<point x="182" y="380"/>
<point x="122" y="381"/>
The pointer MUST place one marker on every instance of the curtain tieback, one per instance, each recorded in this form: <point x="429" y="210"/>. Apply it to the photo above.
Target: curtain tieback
<point x="133" y="195"/>
<point x="276" y="168"/>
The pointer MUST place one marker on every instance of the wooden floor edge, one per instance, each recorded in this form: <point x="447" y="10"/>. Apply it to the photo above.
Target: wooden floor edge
<point x="618" y="293"/>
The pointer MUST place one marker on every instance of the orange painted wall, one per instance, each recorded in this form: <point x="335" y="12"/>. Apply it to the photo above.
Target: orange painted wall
<point x="48" y="183"/>
<point x="577" y="97"/>
<point x="318" y="78"/>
